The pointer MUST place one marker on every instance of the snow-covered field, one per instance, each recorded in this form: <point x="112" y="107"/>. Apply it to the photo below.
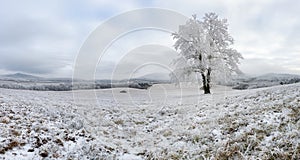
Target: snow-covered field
<point x="162" y="122"/>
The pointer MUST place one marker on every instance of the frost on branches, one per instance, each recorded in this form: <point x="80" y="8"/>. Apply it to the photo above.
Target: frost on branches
<point x="204" y="49"/>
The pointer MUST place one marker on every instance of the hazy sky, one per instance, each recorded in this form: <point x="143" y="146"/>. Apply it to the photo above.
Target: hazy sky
<point x="44" y="37"/>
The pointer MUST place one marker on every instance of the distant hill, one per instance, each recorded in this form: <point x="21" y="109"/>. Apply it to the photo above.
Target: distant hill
<point x="266" y="80"/>
<point x="21" y="76"/>
<point x="31" y="82"/>
<point x="277" y="77"/>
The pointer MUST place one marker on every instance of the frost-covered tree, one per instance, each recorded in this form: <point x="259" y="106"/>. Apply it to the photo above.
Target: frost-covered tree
<point x="205" y="49"/>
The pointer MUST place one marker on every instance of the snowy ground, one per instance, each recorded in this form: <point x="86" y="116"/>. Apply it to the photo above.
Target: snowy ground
<point x="160" y="123"/>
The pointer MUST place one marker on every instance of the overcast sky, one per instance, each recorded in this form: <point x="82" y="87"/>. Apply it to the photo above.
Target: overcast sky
<point x="44" y="37"/>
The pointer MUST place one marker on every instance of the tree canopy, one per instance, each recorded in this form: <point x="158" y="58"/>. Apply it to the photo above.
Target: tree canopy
<point x="205" y="49"/>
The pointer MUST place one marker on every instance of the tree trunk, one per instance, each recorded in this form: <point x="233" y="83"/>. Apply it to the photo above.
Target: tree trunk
<point x="206" y="81"/>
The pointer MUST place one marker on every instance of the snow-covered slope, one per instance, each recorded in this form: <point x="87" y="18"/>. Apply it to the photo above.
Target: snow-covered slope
<point x="160" y="123"/>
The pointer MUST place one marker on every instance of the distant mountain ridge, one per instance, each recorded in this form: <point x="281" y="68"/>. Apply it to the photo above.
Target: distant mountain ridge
<point x="277" y="76"/>
<point x="21" y="76"/>
<point x="31" y="82"/>
<point x="151" y="76"/>
<point x="265" y="80"/>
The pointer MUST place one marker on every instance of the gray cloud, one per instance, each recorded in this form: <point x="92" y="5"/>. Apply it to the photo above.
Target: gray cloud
<point x="45" y="37"/>
<point x="256" y="66"/>
<point x="37" y="43"/>
<point x="140" y="61"/>
<point x="30" y="62"/>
